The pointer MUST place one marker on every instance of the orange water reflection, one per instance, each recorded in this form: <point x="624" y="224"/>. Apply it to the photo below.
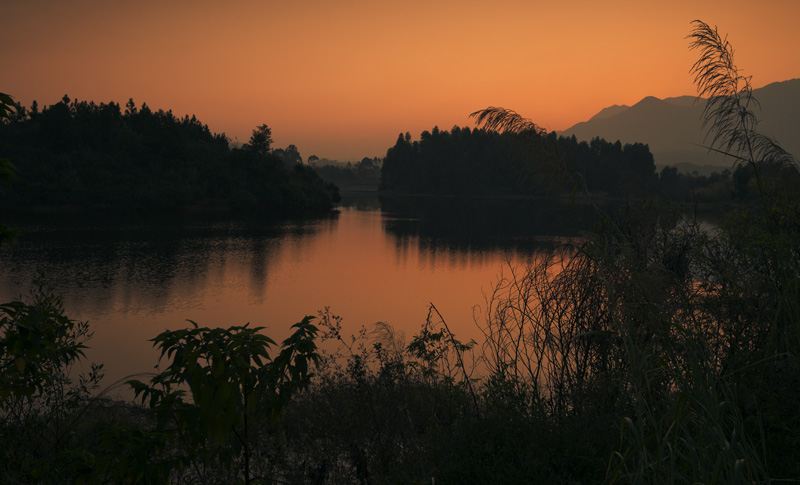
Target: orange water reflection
<point x="133" y="280"/>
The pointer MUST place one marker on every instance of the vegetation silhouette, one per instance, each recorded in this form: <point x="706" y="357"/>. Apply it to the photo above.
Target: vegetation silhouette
<point x="260" y="141"/>
<point x="363" y="176"/>
<point x="728" y="115"/>
<point x="652" y="351"/>
<point x="513" y="156"/>
<point x="7" y="169"/>
<point x="95" y="156"/>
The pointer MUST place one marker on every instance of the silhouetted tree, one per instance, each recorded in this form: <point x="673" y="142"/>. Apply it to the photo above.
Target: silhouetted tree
<point x="130" y="107"/>
<point x="260" y="140"/>
<point x="290" y="155"/>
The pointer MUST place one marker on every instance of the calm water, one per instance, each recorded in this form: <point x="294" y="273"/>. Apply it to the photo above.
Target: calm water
<point x="369" y="261"/>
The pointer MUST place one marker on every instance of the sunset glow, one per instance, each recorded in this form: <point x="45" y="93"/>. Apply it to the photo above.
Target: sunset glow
<point x="341" y="79"/>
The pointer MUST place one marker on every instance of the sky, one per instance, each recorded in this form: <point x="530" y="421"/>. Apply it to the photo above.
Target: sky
<point x="341" y="79"/>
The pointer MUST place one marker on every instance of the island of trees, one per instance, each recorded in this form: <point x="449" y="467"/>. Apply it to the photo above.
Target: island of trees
<point x="480" y="161"/>
<point x="83" y="155"/>
<point x="488" y="162"/>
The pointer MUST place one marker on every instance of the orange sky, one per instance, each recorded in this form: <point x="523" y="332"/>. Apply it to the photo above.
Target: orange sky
<point x="340" y="79"/>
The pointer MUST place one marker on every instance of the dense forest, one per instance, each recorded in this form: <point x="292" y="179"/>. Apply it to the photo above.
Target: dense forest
<point x="479" y="161"/>
<point x="99" y="156"/>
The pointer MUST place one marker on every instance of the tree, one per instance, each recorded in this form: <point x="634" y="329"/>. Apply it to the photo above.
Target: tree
<point x="7" y="169"/>
<point x="261" y="140"/>
<point x="367" y="164"/>
<point x="130" y="107"/>
<point x="236" y="388"/>
<point x="290" y="155"/>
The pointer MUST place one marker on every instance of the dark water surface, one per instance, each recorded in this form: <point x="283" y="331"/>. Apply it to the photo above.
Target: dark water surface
<point x="370" y="260"/>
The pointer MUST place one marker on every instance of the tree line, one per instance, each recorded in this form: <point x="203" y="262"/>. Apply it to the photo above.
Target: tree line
<point x="363" y="175"/>
<point x="105" y="156"/>
<point x="482" y="161"/>
<point x="488" y="161"/>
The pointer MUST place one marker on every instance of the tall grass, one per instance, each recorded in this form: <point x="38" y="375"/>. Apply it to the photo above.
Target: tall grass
<point x="689" y="337"/>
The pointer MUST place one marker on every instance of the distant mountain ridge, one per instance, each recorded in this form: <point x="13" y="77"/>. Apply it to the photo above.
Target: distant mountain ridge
<point x="609" y="112"/>
<point x="672" y="127"/>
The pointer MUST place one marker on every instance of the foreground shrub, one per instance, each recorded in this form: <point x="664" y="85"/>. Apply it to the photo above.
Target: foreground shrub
<point x="41" y="400"/>
<point x="237" y="393"/>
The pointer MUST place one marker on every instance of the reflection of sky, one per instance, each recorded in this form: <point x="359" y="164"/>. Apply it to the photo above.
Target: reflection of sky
<point x="133" y="280"/>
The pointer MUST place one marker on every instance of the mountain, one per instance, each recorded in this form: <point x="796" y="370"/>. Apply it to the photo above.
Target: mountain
<point x="672" y="127"/>
<point x="609" y="112"/>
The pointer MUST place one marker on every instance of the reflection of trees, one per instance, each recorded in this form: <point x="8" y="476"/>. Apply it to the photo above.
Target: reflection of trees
<point x="360" y="201"/>
<point x="464" y="229"/>
<point x="136" y="262"/>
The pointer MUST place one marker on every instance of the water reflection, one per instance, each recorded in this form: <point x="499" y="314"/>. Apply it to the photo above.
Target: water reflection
<point x="144" y="264"/>
<point x="464" y="231"/>
<point x="133" y="277"/>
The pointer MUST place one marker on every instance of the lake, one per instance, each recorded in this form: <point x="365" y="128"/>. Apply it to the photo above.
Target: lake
<point x="369" y="260"/>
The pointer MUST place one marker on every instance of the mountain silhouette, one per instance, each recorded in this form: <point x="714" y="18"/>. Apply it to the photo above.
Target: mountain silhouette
<point x="609" y="112"/>
<point x="673" y="128"/>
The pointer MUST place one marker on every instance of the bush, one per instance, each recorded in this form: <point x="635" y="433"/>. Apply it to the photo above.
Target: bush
<point x="41" y="403"/>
